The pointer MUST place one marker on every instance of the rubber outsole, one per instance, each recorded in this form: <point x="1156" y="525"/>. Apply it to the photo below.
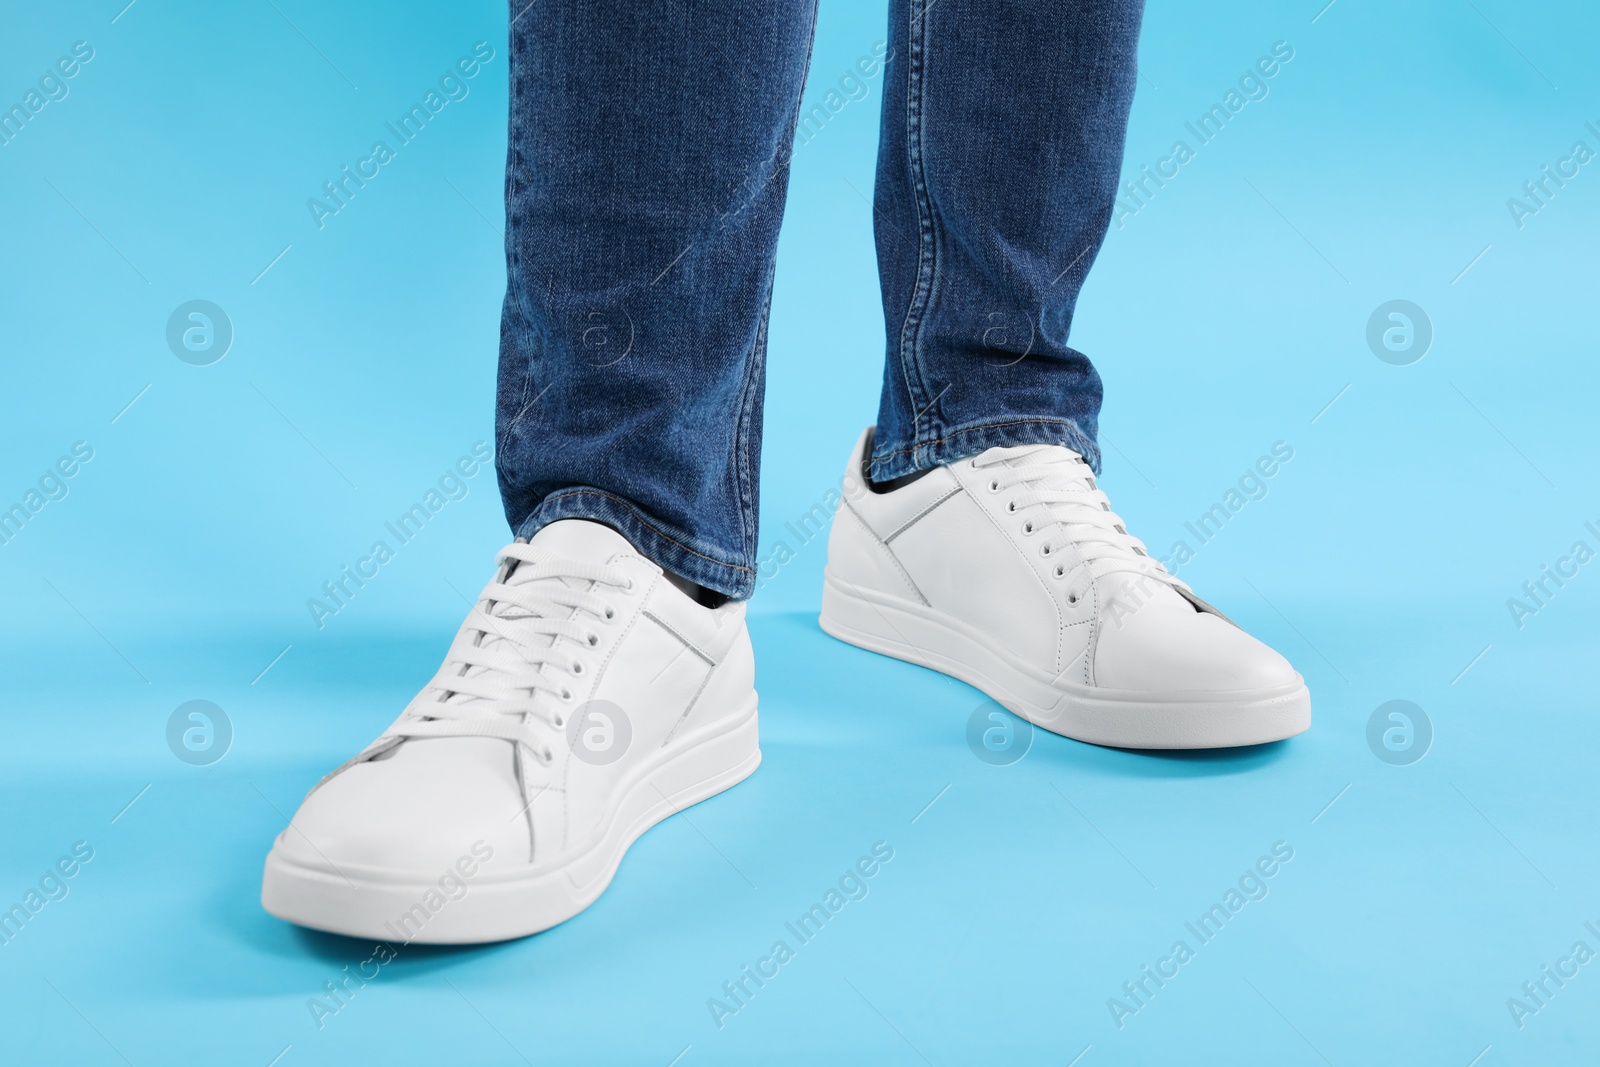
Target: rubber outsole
<point x="394" y="906"/>
<point x="908" y="631"/>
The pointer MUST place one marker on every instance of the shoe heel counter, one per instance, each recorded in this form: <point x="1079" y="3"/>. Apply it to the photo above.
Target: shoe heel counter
<point x="731" y="686"/>
<point x="735" y="677"/>
<point x="857" y="556"/>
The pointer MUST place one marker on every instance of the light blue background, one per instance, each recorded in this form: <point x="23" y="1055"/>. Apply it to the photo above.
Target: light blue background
<point x="1224" y="316"/>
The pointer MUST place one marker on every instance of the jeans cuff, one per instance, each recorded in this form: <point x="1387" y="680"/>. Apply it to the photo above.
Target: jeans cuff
<point x="889" y="461"/>
<point x="662" y="548"/>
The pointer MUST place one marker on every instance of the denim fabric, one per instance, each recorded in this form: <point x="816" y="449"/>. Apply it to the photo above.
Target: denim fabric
<point x="647" y="167"/>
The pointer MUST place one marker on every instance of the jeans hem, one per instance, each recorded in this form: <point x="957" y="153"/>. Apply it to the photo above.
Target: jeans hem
<point x="654" y="543"/>
<point x="958" y="444"/>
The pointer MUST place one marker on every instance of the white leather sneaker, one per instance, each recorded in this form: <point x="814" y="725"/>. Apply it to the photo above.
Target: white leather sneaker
<point x="1010" y="572"/>
<point x="585" y="699"/>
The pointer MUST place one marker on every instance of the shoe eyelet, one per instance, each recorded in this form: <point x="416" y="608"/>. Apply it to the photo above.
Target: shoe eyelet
<point x="629" y="587"/>
<point x="1072" y="598"/>
<point x="611" y="613"/>
<point x="994" y="486"/>
<point x="558" y="722"/>
<point x="566" y="695"/>
<point x="594" y="639"/>
<point x="1044" y="550"/>
<point x="1027" y="528"/>
<point x="1061" y="572"/>
<point x="1011" y="506"/>
<point x="577" y="668"/>
<point x="549" y="757"/>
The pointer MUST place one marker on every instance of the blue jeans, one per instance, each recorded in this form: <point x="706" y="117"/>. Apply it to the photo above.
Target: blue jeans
<point x="645" y="181"/>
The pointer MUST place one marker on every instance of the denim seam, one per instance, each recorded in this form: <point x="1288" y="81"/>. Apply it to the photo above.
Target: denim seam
<point x="513" y="260"/>
<point x="755" y="365"/>
<point x="637" y="514"/>
<point x="927" y="245"/>
<point x="752" y="375"/>
<point x="1076" y="434"/>
<point x="986" y="426"/>
<point x="522" y="411"/>
<point x="935" y="260"/>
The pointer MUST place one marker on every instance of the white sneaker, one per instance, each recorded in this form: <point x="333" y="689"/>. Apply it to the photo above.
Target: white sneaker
<point x="1010" y="572"/>
<point x="585" y="699"/>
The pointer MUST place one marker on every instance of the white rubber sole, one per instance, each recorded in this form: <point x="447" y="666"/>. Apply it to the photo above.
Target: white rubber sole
<point x="384" y="905"/>
<point x="1116" y="718"/>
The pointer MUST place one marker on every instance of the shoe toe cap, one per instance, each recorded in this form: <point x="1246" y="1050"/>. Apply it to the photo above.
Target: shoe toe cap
<point x="422" y="809"/>
<point x="1194" y="653"/>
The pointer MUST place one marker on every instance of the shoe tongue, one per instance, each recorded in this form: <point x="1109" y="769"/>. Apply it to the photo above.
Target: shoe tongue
<point x="570" y="539"/>
<point x="574" y="539"/>
<point x="1137" y="592"/>
<point x="580" y="539"/>
<point x="1068" y="471"/>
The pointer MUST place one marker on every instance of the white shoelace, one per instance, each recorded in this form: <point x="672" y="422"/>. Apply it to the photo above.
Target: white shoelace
<point x="510" y="671"/>
<point x="1069" y="508"/>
